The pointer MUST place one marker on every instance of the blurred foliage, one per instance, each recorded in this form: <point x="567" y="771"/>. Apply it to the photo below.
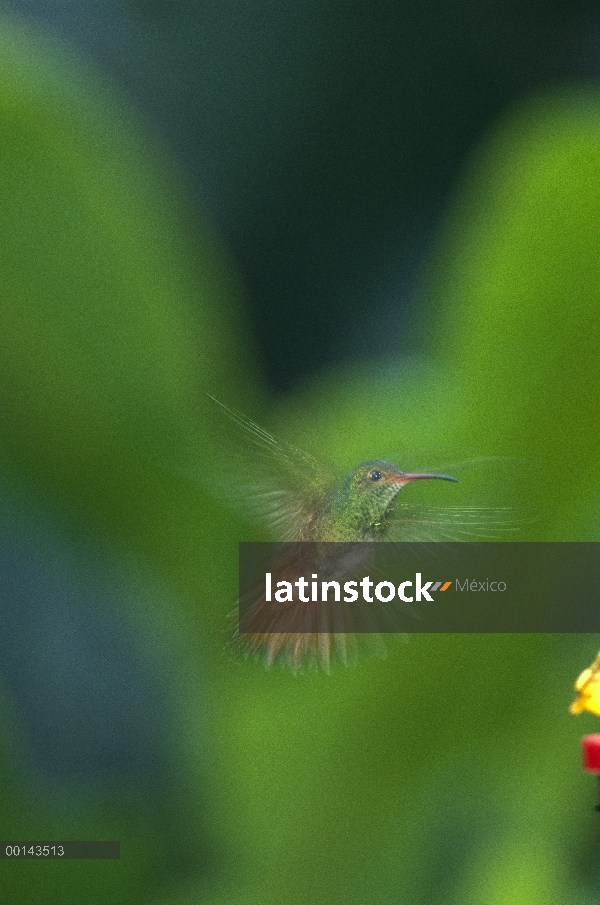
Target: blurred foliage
<point x="510" y="358"/>
<point x="102" y="269"/>
<point x="114" y="307"/>
<point x="324" y="137"/>
<point x="446" y="773"/>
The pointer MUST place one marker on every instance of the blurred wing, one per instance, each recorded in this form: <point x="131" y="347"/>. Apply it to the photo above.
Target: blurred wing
<point x="274" y="483"/>
<point x="489" y="503"/>
<point x="415" y="524"/>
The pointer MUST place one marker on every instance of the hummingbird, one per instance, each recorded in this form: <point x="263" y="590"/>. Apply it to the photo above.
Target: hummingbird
<point x="300" y="500"/>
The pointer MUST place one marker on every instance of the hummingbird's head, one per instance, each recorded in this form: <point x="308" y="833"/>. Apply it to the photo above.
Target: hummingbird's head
<point x="372" y="487"/>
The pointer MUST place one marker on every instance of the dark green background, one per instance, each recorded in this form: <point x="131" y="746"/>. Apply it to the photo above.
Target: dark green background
<point x="403" y="232"/>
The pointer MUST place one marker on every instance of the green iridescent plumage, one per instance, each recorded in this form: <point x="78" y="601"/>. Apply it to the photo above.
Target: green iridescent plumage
<point x="300" y="500"/>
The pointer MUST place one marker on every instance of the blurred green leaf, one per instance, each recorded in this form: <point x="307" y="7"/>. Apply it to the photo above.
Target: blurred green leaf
<point x="115" y="305"/>
<point x="116" y="309"/>
<point x="353" y="775"/>
<point x="518" y="284"/>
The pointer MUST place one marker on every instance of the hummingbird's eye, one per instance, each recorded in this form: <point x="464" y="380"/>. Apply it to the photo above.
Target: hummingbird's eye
<point x="375" y="475"/>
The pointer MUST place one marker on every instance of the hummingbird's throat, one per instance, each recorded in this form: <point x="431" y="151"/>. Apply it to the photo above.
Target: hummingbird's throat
<point x="360" y="516"/>
<point x="375" y="510"/>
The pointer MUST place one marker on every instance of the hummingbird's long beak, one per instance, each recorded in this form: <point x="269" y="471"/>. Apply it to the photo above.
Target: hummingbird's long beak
<point x="407" y="478"/>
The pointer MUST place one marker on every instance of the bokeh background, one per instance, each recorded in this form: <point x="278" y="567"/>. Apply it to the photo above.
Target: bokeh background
<point x="373" y="227"/>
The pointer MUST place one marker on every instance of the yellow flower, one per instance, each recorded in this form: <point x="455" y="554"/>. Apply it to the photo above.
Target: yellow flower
<point x="587" y="687"/>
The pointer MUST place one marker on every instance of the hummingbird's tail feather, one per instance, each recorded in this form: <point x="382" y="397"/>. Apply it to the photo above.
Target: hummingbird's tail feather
<point x="309" y="651"/>
<point x="311" y="634"/>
